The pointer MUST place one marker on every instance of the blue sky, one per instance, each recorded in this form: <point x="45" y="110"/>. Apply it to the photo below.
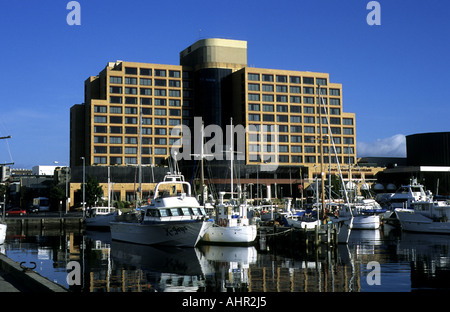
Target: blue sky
<point x="394" y="76"/>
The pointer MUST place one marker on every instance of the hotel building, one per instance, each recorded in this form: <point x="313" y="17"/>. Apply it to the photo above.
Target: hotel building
<point x="283" y="107"/>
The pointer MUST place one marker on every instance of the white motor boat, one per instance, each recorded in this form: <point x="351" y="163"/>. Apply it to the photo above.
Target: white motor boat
<point x="231" y="226"/>
<point x="101" y="217"/>
<point x="173" y="218"/>
<point x="425" y="217"/>
<point x="3" y="228"/>
<point x="366" y="213"/>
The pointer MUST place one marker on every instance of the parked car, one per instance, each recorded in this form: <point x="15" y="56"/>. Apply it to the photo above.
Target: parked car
<point x="16" y="212"/>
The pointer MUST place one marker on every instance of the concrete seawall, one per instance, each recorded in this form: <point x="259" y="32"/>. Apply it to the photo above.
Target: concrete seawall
<point x="24" y="279"/>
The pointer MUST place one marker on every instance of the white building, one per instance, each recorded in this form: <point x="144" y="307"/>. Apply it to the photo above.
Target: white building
<point x="44" y="170"/>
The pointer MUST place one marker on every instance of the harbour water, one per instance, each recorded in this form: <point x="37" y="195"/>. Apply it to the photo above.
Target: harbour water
<point x="386" y="260"/>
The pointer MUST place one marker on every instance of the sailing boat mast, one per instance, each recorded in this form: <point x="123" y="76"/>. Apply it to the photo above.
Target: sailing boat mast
<point x="11" y="163"/>
<point x="322" y="173"/>
<point x="231" y="155"/>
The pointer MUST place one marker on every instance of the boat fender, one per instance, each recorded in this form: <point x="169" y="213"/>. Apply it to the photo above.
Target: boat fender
<point x="225" y="221"/>
<point x="149" y="200"/>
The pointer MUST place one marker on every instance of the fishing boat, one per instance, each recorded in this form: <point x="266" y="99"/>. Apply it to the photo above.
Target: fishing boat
<point x="231" y="226"/>
<point x="426" y="217"/>
<point x="173" y="217"/>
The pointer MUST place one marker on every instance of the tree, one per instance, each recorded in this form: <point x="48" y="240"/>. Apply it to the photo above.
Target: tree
<point x="93" y="191"/>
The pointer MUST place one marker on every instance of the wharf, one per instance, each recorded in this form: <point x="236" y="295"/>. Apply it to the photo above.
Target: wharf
<point x="15" y="277"/>
<point x="46" y="221"/>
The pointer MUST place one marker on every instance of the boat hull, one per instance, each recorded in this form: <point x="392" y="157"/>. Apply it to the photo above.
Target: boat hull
<point x="230" y="234"/>
<point x="179" y="234"/>
<point x="3" y="228"/>
<point x="414" y="222"/>
<point x="100" y="221"/>
<point x="361" y="222"/>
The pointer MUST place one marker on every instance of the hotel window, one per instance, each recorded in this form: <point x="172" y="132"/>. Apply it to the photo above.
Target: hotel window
<point x="335" y="130"/>
<point x="308" y="90"/>
<point x="283" y="158"/>
<point x="130" y="80"/>
<point x="174" y="73"/>
<point x="177" y="83"/>
<point x="146" y="91"/>
<point x="160" y="102"/>
<point x="253" y="77"/>
<point x="160" y="151"/>
<point x="309" y="129"/>
<point x="147" y="141"/>
<point x="268" y="108"/>
<point x="295" y="109"/>
<point x="348" y="140"/>
<point x="283" y="138"/>
<point x="117" y="80"/>
<point x="296" y="139"/>
<point x="282" y="89"/>
<point x="281" y="78"/>
<point x="174" y="112"/>
<point x="130" y="140"/>
<point x="282" y="118"/>
<point x="115" y="150"/>
<point x="160" y="92"/>
<point x="130" y="100"/>
<point x="283" y="148"/>
<point x="160" y="111"/>
<point x="130" y="90"/>
<point x="146" y="101"/>
<point x="254" y="117"/>
<point x="115" y="129"/>
<point x="160" y="131"/>
<point x="99" y="160"/>
<point x="323" y="91"/>
<point x="296" y="119"/>
<point x="131" y="120"/>
<point x="310" y="159"/>
<point x="131" y="130"/>
<point x="115" y="140"/>
<point x="146" y="121"/>
<point x="160" y="121"/>
<point x="100" y="129"/>
<point x="145" y="82"/>
<point x="268" y="117"/>
<point x="160" y="141"/>
<point x="267" y="98"/>
<point x="131" y="70"/>
<point x="296" y="149"/>
<point x="101" y="119"/>
<point x="115" y="99"/>
<point x="115" y="119"/>
<point x="294" y="79"/>
<point x="147" y="131"/>
<point x="335" y="92"/>
<point x="282" y="108"/>
<point x="131" y="160"/>
<point x="175" y="93"/>
<point x="176" y="103"/>
<point x="268" y="128"/>
<point x="283" y="128"/>
<point x="335" y="101"/>
<point x="335" y="111"/>
<point x="296" y="129"/>
<point x="267" y="77"/>
<point x="160" y="83"/>
<point x="267" y="88"/>
<point x="253" y="87"/>
<point x="174" y="122"/>
<point x="334" y="121"/>
<point x="115" y="110"/>
<point x="160" y="72"/>
<point x="347" y="121"/>
<point x="145" y="71"/>
<point x="253" y="107"/>
<point x="146" y="150"/>
<point x="115" y="160"/>
<point x="100" y="149"/>
<point x="321" y="81"/>
<point x="131" y="110"/>
<point x="117" y="90"/>
<point x="308" y="119"/>
<point x="309" y="139"/>
<point x="293" y="89"/>
<point x="308" y="110"/>
<point x="308" y="80"/>
<point x="130" y="150"/>
<point x="296" y="159"/>
<point x="282" y="98"/>
<point x="348" y="150"/>
<point x="99" y="139"/>
<point x="308" y="100"/>
<point x="253" y="97"/>
<point x="337" y="140"/>
<point x="295" y="99"/>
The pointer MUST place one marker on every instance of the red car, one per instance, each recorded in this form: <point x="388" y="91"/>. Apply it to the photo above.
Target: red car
<point x="16" y="212"/>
